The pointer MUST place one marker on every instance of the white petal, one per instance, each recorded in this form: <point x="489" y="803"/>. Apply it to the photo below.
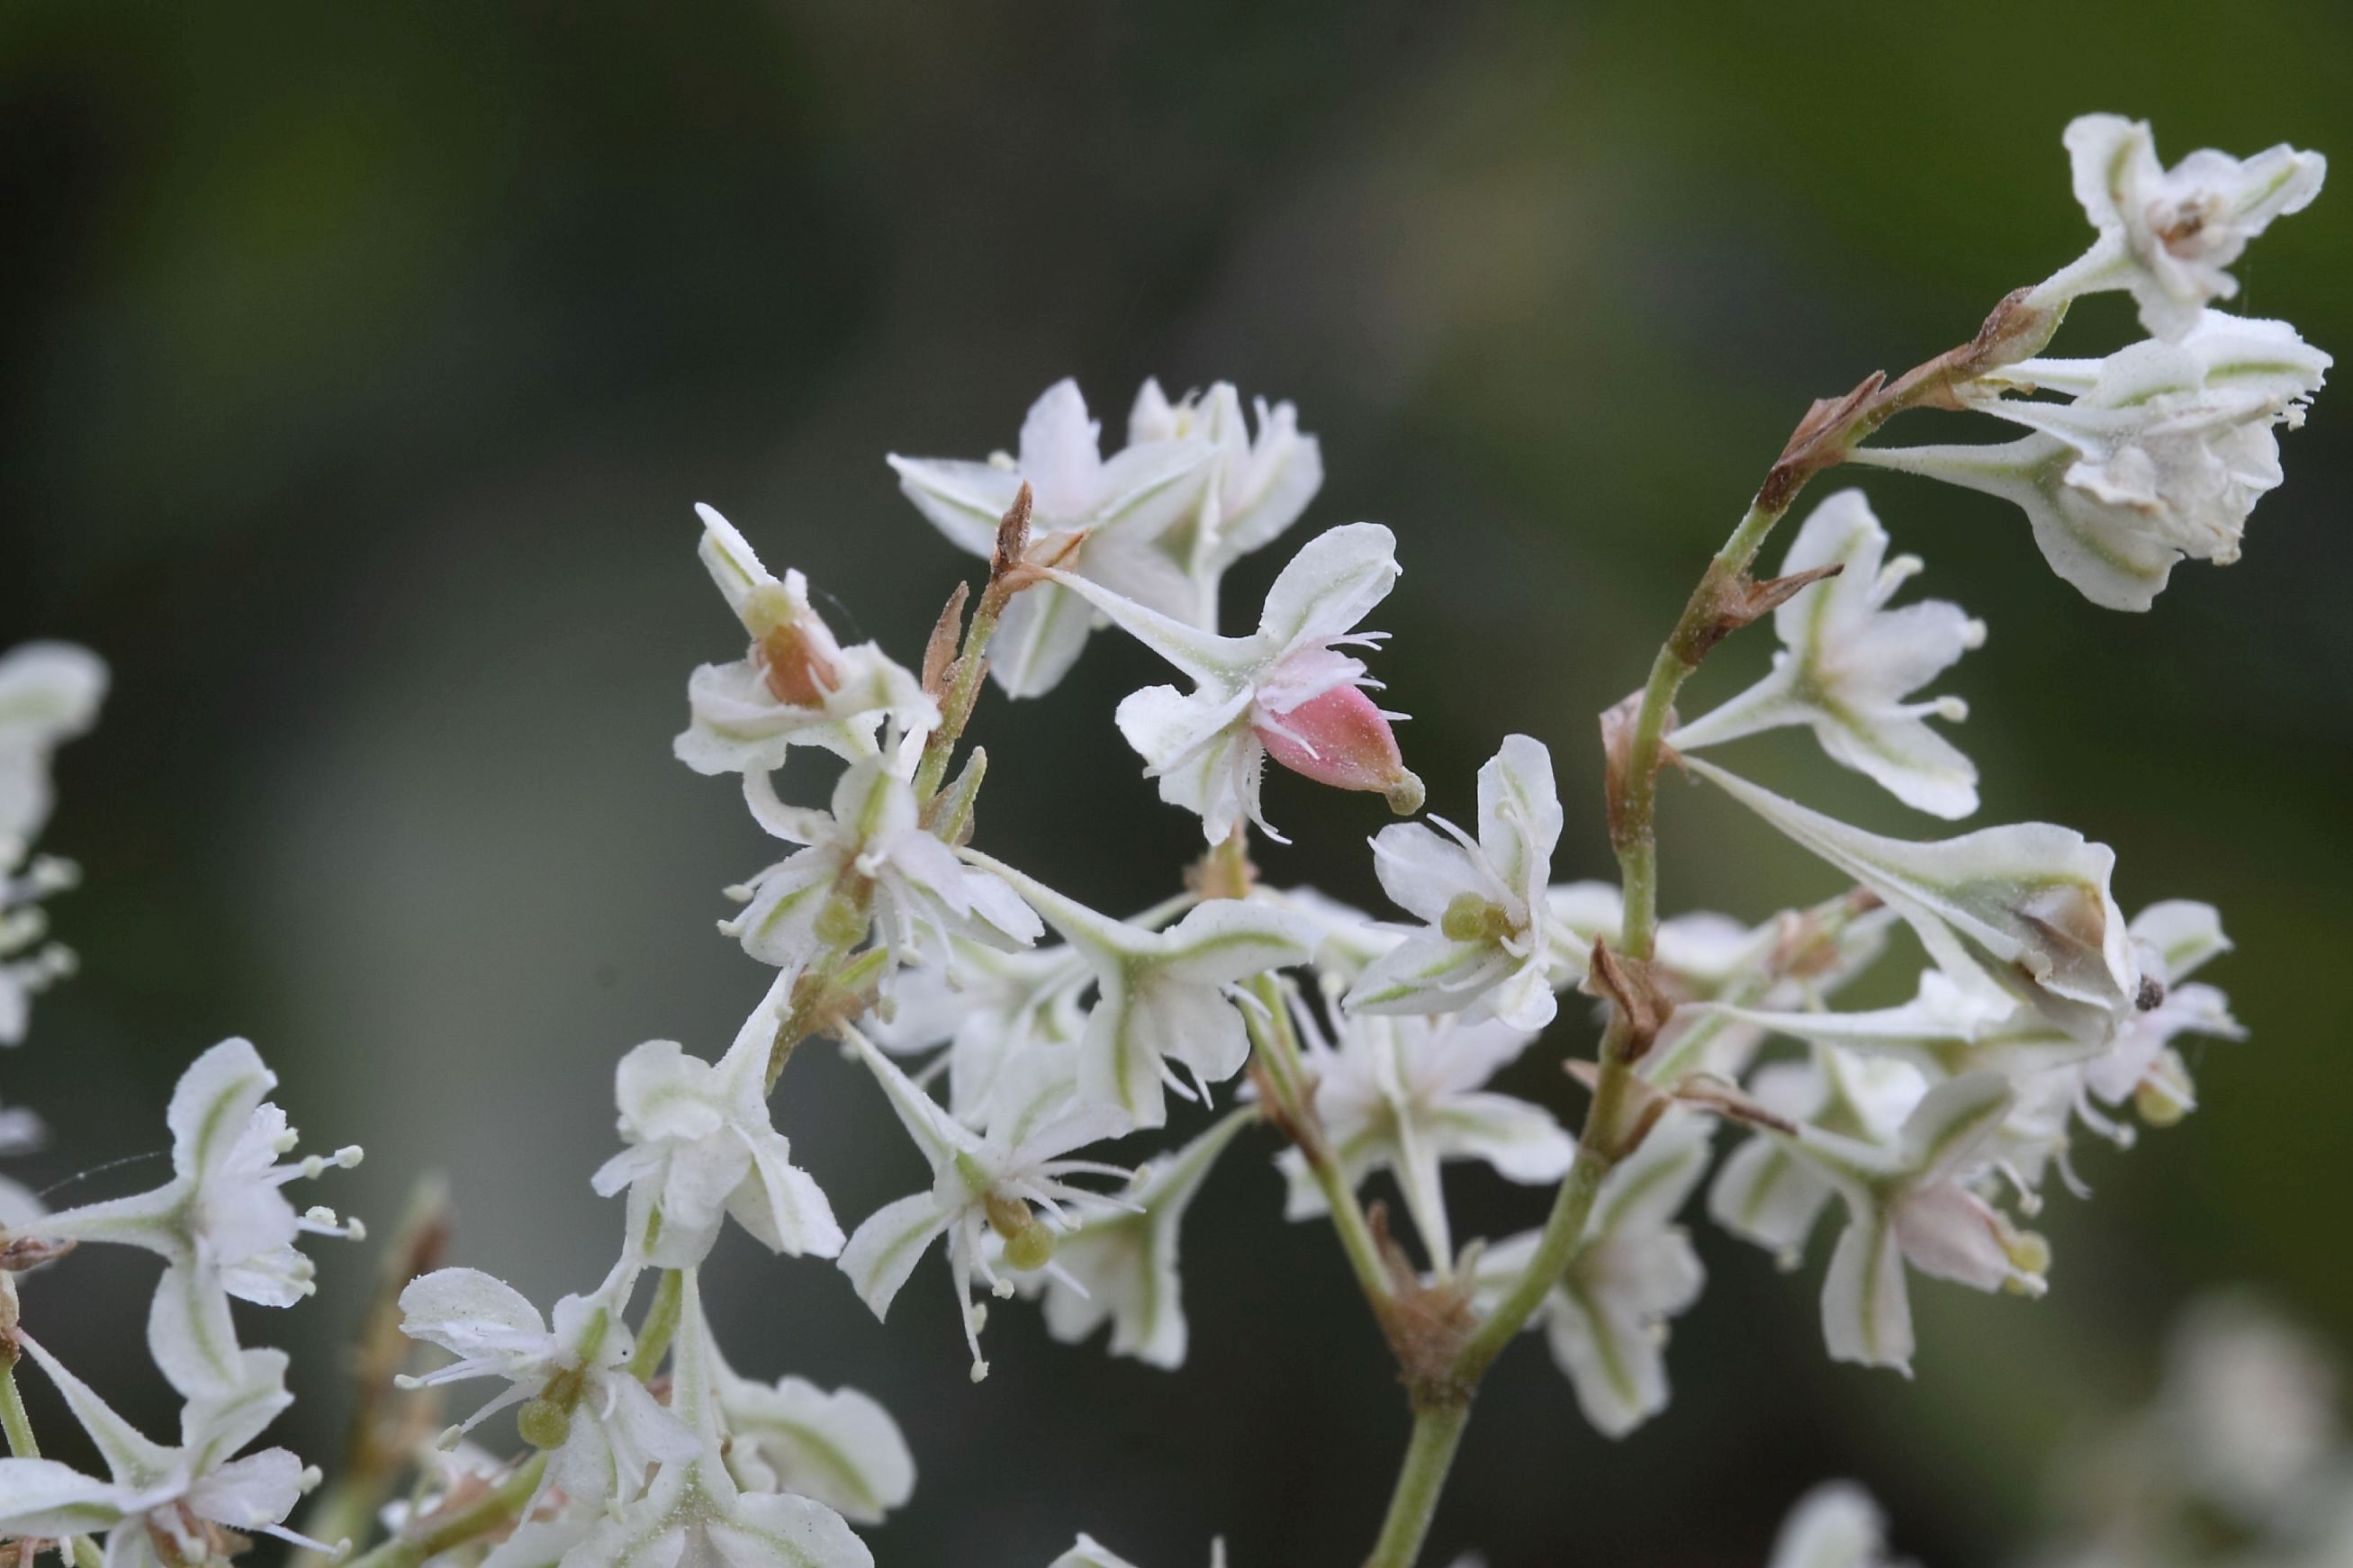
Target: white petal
<point x="884" y="1250"/>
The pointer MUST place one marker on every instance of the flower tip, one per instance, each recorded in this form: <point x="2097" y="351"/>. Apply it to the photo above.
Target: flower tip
<point x="980" y="1370"/>
<point x="1405" y="794"/>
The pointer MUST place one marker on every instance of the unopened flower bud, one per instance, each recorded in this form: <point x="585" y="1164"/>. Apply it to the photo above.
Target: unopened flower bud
<point x="1341" y="739"/>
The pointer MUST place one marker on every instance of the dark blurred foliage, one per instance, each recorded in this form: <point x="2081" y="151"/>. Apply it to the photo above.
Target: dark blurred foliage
<point x="358" y="365"/>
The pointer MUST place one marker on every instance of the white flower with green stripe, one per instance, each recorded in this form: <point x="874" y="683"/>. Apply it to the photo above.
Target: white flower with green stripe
<point x="161" y="1506"/>
<point x="998" y="1182"/>
<point x="1913" y="1203"/>
<point x="2021" y="911"/>
<point x="701" y="1146"/>
<point x="1849" y="664"/>
<point x="694" y="1511"/>
<point x="1287" y="691"/>
<point x="222" y="1223"/>
<point x="1162" y="998"/>
<point x="1407" y="1095"/>
<point x="1606" y="1318"/>
<point x="867" y="865"/>
<point x="1492" y="947"/>
<point x="841" y="1448"/>
<point x="2161" y="453"/>
<point x="1101" y="520"/>
<point x="1258" y="483"/>
<point x="1119" y="1265"/>
<point x="797" y="686"/>
<point x="2170" y="235"/>
<point x="1767" y="1193"/>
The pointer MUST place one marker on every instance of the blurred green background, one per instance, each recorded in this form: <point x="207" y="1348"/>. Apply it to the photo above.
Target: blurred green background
<point x="358" y="366"/>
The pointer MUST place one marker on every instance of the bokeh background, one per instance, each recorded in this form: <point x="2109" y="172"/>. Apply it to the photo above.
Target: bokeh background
<point x="358" y="366"/>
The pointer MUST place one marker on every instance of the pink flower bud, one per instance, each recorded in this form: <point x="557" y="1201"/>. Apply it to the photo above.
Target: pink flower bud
<point x="1342" y="740"/>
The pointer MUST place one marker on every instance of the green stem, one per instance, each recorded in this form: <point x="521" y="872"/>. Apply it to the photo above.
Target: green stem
<point x="1286" y="1072"/>
<point x="1429" y="1456"/>
<point x="1564" y="1228"/>
<point x="1631" y="834"/>
<point x="493" y="1510"/>
<point x="661" y="1321"/>
<point x="21" y="1442"/>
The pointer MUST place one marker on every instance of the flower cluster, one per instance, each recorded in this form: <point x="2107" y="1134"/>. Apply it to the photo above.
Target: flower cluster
<point x="1058" y="1070"/>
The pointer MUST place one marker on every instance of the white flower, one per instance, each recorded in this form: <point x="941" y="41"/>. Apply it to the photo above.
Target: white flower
<point x="1286" y="691"/>
<point x="1404" y="1095"/>
<point x="1120" y="1265"/>
<point x="601" y="1427"/>
<point x="1161" y="998"/>
<point x="867" y="862"/>
<point x="1836" y="1525"/>
<point x="164" y="1506"/>
<point x="1849" y="662"/>
<point x="992" y="1009"/>
<point x="1100" y="520"/>
<point x="2162" y="454"/>
<point x="221" y="1224"/>
<point x="701" y="1147"/>
<point x="1606" y="1319"/>
<point x="1491" y="949"/>
<point x="1257" y="485"/>
<point x="797" y="686"/>
<point x="2169" y="235"/>
<point x="1769" y="1195"/>
<point x="2174" y="939"/>
<point x="1914" y="1203"/>
<point x="49" y="693"/>
<point x="2022" y="910"/>
<point x="842" y="1448"/>
<point x="694" y="1514"/>
<point x="979" y="1184"/>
